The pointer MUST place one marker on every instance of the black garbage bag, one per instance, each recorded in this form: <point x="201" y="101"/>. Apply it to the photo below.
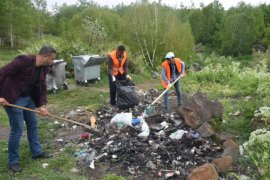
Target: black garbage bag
<point x="126" y="96"/>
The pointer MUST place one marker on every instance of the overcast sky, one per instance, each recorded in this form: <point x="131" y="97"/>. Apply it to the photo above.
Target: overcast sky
<point x="174" y="3"/>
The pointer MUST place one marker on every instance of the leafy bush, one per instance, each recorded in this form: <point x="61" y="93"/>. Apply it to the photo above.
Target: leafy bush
<point x="258" y="149"/>
<point x="65" y="50"/>
<point x="262" y="116"/>
<point x="261" y="59"/>
<point x="218" y="70"/>
<point x="225" y="71"/>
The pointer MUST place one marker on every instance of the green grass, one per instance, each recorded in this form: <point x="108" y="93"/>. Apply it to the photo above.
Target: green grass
<point x="7" y="55"/>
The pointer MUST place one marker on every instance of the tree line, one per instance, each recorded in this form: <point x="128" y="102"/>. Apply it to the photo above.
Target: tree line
<point x="149" y="30"/>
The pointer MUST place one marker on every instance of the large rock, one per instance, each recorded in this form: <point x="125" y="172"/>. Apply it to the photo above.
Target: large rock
<point x="198" y="109"/>
<point x="224" y="164"/>
<point x="231" y="149"/>
<point x="206" y="130"/>
<point x="206" y="171"/>
<point x="223" y="136"/>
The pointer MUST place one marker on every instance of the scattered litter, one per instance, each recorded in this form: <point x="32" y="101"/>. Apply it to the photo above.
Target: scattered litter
<point x="85" y="136"/>
<point x="172" y="174"/>
<point x="45" y="165"/>
<point x="178" y="134"/>
<point x="74" y="170"/>
<point x="145" y="130"/>
<point x="165" y="147"/>
<point x="194" y="134"/>
<point x="93" y="122"/>
<point x="101" y="156"/>
<point x="92" y="165"/>
<point x="74" y="126"/>
<point x="86" y="156"/>
<point x="124" y="118"/>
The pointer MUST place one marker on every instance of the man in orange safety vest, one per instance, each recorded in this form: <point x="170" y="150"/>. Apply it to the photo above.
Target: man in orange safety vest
<point x="172" y="68"/>
<point x="117" y="70"/>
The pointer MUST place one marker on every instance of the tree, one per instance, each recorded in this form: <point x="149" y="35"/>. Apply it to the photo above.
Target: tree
<point x="153" y="31"/>
<point x="95" y="31"/>
<point x="17" y="22"/>
<point x="41" y="16"/>
<point x="241" y="27"/>
<point x="108" y="19"/>
<point x="204" y="23"/>
<point x="266" y="14"/>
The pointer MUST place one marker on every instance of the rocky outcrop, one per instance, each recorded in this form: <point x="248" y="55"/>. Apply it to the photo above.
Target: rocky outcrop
<point x="198" y="109"/>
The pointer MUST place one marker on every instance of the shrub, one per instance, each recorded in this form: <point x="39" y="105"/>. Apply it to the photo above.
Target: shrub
<point x="258" y="149"/>
<point x="65" y="50"/>
<point x="261" y="58"/>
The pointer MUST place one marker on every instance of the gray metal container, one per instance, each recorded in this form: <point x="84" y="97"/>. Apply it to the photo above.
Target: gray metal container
<point x="87" y="67"/>
<point x="56" y="77"/>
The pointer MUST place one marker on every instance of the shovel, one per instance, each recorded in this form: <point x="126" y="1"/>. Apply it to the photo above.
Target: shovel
<point x="50" y="115"/>
<point x="150" y="108"/>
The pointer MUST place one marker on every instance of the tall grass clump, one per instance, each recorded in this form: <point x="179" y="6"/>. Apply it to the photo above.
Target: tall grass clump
<point x="218" y="69"/>
<point x="254" y="80"/>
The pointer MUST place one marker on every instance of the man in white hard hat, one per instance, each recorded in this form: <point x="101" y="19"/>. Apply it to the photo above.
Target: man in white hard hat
<point x="172" y="68"/>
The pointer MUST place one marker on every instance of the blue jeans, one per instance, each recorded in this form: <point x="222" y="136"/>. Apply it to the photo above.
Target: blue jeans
<point x="178" y="93"/>
<point x="16" y="120"/>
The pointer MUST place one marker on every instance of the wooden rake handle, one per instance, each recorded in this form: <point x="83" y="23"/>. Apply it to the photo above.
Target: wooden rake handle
<point x="50" y="115"/>
<point x="165" y="91"/>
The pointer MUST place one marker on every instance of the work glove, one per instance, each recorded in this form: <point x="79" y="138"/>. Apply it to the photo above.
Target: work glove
<point x="181" y="75"/>
<point x="169" y="85"/>
<point x="113" y="78"/>
<point x="128" y="77"/>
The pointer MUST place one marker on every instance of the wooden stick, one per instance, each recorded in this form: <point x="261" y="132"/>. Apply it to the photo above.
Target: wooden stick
<point x="164" y="92"/>
<point x="50" y="115"/>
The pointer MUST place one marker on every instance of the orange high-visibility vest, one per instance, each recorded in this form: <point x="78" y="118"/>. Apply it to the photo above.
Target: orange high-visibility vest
<point x="166" y="66"/>
<point x="117" y="67"/>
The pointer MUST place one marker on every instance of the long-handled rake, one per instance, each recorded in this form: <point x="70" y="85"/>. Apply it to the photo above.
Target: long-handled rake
<point x="50" y="115"/>
<point x="150" y="108"/>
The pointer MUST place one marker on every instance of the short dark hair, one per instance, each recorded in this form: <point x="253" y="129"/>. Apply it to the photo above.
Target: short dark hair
<point x="47" y="49"/>
<point x="121" y="48"/>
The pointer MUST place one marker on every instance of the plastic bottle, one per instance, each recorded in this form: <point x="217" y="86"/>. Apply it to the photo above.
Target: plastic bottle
<point x="93" y="122"/>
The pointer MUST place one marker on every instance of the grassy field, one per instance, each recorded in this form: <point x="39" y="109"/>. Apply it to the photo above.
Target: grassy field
<point x="236" y="89"/>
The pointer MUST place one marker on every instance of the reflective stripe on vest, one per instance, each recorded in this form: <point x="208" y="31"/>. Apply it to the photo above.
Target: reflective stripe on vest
<point x="166" y="66"/>
<point x="117" y="67"/>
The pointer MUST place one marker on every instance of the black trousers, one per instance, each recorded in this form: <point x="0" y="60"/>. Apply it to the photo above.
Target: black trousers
<point x="113" y="87"/>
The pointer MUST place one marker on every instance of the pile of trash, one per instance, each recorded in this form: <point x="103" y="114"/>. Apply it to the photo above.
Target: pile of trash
<point x="160" y="145"/>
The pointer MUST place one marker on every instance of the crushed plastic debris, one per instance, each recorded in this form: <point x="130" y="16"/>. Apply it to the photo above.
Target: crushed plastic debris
<point x="45" y="165"/>
<point x="178" y="134"/>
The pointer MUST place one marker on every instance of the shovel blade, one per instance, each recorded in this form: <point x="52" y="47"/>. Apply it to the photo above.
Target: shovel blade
<point x="149" y="110"/>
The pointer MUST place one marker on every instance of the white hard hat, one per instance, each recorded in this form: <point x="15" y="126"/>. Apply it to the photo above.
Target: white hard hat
<point x="169" y="55"/>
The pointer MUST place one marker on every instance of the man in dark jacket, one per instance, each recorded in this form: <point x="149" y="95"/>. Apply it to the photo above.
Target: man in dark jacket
<point x="23" y="83"/>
